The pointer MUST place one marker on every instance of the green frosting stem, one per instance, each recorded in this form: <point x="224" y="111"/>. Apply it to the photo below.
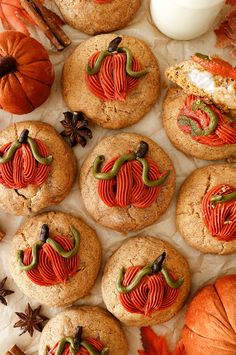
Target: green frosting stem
<point x="151" y="183"/>
<point x="170" y="282"/>
<point x="195" y="130"/>
<point x="54" y="245"/>
<point x="115" y="169"/>
<point x="147" y="270"/>
<point x="129" y="60"/>
<point x="202" y="56"/>
<point x="60" y="250"/>
<point x="200" y="105"/>
<point x="34" y="261"/>
<point x="62" y="343"/>
<point x="36" y="154"/>
<point x="92" y="350"/>
<point x="98" y="63"/>
<point x="11" y="151"/>
<point x="223" y="198"/>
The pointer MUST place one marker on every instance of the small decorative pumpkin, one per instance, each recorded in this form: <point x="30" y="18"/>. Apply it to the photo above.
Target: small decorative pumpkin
<point x="210" y="320"/>
<point x="26" y="73"/>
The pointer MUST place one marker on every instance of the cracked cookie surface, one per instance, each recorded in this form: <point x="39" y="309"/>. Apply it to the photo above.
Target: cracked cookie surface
<point x="110" y="114"/>
<point x="188" y="211"/>
<point x="141" y="251"/>
<point x="60" y="180"/>
<point x="130" y="218"/>
<point x="92" y="18"/>
<point x="77" y="286"/>
<point x="97" y="323"/>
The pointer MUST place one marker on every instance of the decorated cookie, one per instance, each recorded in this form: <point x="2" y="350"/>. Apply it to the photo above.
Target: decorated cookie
<point x="113" y="80"/>
<point x="55" y="258"/>
<point x="197" y="127"/>
<point x="26" y="73"/>
<point x="127" y="182"/>
<point x="33" y="158"/>
<point x="209" y="77"/>
<point x="83" y="331"/>
<point x="206" y="209"/>
<point x="146" y="281"/>
<point x="98" y="16"/>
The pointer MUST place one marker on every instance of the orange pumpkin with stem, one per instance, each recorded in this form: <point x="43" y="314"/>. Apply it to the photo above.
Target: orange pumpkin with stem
<point x="26" y="73"/>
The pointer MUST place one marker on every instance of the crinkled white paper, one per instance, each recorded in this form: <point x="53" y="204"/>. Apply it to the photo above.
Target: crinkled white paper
<point x="205" y="268"/>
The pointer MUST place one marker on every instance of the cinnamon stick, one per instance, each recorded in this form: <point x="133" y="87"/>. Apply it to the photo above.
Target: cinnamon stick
<point x="57" y="18"/>
<point x="2" y="234"/>
<point x="15" y="351"/>
<point x="52" y="22"/>
<point x="29" y="8"/>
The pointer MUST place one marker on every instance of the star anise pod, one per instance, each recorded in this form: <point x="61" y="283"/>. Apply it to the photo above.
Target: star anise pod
<point x="30" y="320"/>
<point x="4" y="292"/>
<point x="76" y="130"/>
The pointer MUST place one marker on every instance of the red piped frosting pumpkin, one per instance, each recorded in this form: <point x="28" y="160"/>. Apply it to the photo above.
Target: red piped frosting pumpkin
<point x="26" y="73"/>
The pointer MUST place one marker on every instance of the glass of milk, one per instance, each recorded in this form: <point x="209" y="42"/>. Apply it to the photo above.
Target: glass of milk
<point x="184" y="19"/>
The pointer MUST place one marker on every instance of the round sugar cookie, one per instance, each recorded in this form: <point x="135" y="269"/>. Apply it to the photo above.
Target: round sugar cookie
<point x="32" y="173"/>
<point x="206" y="223"/>
<point x="152" y="300"/>
<point x="220" y="144"/>
<point x="97" y="329"/>
<point x="98" y="16"/>
<point x="126" y="203"/>
<point x="109" y="96"/>
<point x="62" y="273"/>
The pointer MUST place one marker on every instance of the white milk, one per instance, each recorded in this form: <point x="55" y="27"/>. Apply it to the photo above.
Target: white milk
<point x="184" y="19"/>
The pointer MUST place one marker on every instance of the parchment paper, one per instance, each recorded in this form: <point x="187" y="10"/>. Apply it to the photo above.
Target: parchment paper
<point x="205" y="268"/>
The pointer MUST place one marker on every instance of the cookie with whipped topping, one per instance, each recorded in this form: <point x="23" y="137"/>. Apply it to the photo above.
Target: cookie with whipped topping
<point x="114" y="80"/>
<point x="98" y="16"/>
<point x="85" y="330"/>
<point x="33" y="157"/>
<point x="206" y="76"/>
<point x="55" y="258"/>
<point x="146" y="281"/>
<point x="206" y="209"/>
<point x="197" y="127"/>
<point x="127" y="182"/>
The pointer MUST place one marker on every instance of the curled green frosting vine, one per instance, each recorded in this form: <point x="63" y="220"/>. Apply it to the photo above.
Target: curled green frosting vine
<point x="155" y="267"/>
<point x="115" y="169"/>
<point x="112" y="49"/>
<point x="24" y="138"/>
<point x="223" y="198"/>
<point x="138" y="155"/>
<point x="75" y="343"/>
<point x="184" y="120"/>
<point x="44" y="238"/>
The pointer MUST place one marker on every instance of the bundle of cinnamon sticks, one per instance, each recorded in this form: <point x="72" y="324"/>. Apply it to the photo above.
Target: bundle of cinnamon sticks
<point x="48" y="22"/>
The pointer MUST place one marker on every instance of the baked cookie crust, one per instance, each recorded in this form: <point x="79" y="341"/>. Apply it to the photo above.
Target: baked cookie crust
<point x="110" y="114"/>
<point x="77" y="286"/>
<point x="128" y="218"/>
<point x="92" y="18"/>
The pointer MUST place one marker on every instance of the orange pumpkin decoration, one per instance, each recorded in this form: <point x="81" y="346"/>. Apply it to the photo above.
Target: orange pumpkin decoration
<point x="26" y="73"/>
<point x="210" y="321"/>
